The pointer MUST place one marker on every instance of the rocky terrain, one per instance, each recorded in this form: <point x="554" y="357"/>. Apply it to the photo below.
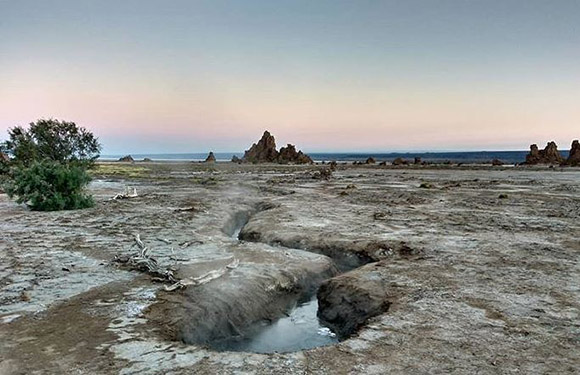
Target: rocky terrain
<point x="417" y="269"/>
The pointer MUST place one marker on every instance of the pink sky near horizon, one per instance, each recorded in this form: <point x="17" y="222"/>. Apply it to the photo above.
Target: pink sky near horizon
<point x="164" y="120"/>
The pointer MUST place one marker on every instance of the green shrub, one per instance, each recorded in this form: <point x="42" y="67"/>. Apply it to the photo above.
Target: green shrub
<point x="50" y="139"/>
<point x="50" y="186"/>
<point x="4" y="166"/>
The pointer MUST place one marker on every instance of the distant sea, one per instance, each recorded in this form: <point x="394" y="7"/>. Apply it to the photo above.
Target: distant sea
<point x="437" y="157"/>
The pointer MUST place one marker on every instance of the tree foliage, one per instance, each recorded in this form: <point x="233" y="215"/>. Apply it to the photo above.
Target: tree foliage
<point x="4" y="160"/>
<point x="50" y="186"/>
<point x="53" y="140"/>
<point x="48" y="165"/>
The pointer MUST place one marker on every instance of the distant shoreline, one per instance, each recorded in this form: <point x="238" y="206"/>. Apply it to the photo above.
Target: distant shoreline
<point x="436" y="157"/>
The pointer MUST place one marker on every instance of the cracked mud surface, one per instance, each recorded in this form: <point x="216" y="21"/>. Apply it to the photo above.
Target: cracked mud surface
<point x="457" y="279"/>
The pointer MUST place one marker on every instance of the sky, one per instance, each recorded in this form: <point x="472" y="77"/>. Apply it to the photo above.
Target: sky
<point x="192" y="76"/>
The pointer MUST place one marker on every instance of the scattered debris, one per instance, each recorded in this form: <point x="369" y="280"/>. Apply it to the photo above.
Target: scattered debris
<point x="323" y="174"/>
<point x="127" y="194"/>
<point x="380" y="216"/>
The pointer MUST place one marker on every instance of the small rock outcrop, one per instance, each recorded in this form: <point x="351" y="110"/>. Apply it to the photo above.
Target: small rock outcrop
<point x="549" y="155"/>
<point x="496" y="162"/>
<point x="574" y="156"/>
<point x="370" y="160"/>
<point x="400" y="161"/>
<point x="127" y="159"/>
<point x="333" y="165"/>
<point x="210" y="158"/>
<point x="417" y="160"/>
<point x="289" y="154"/>
<point x="265" y="152"/>
<point x="235" y="159"/>
<point x="147" y="159"/>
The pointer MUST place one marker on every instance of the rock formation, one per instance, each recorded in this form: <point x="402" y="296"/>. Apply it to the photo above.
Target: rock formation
<point x="370" y="160"/>
<point x="496" y="162"/>
<point x="574" y="156"/>
<point x="549" y="155"/>
<point x="265" y="152"/>
<point x="127" y="158"/>
<point x="262" y="152"/>
<point x="147" y="160"/>
<point x="235" y="159"/>
<point x="210" y="158"/>
<point x="289" y="154"/>
<point x="400" y="161"/>
<point x="417" y="160"/>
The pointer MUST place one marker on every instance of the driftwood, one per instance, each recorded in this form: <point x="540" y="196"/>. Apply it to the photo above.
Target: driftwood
<point x="143" y="262"/>
<point x="203" y="279"/>
<point x="186" y="209"/>
<point x="127" y="194"/>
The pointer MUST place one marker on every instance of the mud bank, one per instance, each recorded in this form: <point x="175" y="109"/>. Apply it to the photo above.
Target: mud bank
<point x="231" y="306"/>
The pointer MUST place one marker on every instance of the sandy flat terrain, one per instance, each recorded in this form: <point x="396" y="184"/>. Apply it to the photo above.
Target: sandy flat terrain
<point x="417" y="270"/>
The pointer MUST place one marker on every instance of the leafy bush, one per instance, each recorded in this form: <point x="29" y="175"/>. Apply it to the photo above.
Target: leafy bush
<point x="50" y="186"/>
<point x="4" y="160"/>
<point x="55" y="140"/>
<point x="4" y="166"/>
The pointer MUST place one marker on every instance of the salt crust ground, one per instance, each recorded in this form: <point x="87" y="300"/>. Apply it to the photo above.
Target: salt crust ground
<point x="494" y="285"/>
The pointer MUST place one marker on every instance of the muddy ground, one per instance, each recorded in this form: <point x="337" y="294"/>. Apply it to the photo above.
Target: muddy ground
<point x="418" y="270"/>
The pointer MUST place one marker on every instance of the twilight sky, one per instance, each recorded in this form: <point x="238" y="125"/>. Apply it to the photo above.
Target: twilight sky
<point x="190" y="76"/>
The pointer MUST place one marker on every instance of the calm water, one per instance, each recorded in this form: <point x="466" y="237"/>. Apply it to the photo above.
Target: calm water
<point x="457" y="157"/>
<point x="299" y="331"/>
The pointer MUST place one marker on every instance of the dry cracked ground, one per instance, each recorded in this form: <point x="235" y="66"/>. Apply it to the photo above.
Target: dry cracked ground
<point x="417" y="270"/>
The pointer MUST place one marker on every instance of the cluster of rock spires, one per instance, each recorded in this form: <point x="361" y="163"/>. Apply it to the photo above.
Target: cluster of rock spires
<point x="551" y="155"/>
<point x="574" y="156"/>
<point x="265" y="152"/>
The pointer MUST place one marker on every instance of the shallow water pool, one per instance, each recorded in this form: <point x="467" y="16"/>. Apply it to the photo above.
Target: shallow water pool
<point x="300" y="330"/>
